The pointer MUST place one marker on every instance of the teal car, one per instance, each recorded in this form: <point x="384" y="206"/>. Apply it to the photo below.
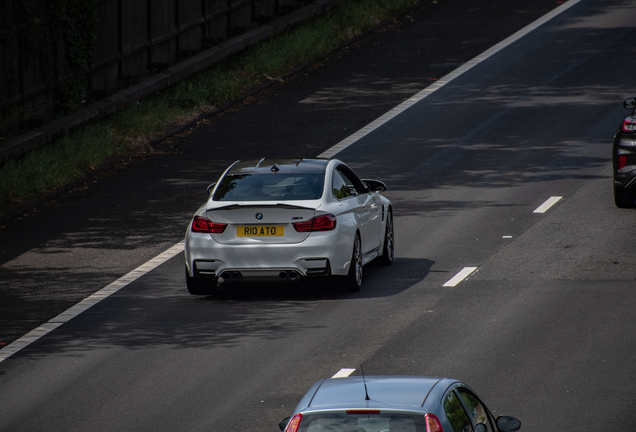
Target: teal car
<point x="394" y="404"/>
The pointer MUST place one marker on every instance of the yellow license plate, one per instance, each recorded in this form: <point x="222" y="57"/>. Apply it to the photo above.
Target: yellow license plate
<point x="260" y="231"/>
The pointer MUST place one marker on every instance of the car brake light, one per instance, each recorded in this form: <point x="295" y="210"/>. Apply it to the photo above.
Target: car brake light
<point x="325" y="222"/>
<point x="201" y="224"/>
<point x="629" y="124"/>
<point x="363" y="411"/>
<point x="622" y="161"/>
<point x="432" y="423"/>
<point x="294" y="423"/>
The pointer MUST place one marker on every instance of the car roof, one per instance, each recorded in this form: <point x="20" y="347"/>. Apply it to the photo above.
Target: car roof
<point x="266" y="165"/>
<point x="396" y="392"/>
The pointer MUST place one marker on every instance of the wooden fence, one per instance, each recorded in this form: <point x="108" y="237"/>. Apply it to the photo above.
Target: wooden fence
<point x="42" y="72"/>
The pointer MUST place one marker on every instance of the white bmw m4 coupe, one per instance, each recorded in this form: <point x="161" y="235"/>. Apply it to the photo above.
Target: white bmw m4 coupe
<point x="287" y="219"/>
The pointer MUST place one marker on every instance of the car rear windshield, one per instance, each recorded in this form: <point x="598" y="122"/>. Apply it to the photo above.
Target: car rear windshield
<point x="362" y="423"/>
<point x="270" y="187"/>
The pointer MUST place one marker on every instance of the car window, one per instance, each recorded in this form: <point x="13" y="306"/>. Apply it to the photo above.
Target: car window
<point x="270" y="187"/>
<point x="339" y="186"/>
<point x="353" y="182"/>
<point x="456" y="414"/>
<point x="350" y="180"/>
<point x="342" y="422"/>
<point x="475" y="408"/>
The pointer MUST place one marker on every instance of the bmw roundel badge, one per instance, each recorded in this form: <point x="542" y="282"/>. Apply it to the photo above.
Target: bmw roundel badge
<point x="259" y="216"/>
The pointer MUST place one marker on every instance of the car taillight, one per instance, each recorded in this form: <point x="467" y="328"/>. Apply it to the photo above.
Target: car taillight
<point x="294" y="423"/>
<point x="319" y="223"/>
<point x="622" y="161"/>
<point x="629" y="125"/>
<point x="432" y="423"/>
<point x="201" y="224"/>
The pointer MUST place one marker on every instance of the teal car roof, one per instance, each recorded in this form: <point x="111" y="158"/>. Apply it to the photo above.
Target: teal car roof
<point x="383" y="391"/>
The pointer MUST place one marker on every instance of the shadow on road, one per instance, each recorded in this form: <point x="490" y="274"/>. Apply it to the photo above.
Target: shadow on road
<point x="158" y="312"/>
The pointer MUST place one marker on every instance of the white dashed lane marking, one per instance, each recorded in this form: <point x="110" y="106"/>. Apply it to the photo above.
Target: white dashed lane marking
<point x="546" y="205"/>
<point x="343" y="373"/>
<point x="463" y="274"/>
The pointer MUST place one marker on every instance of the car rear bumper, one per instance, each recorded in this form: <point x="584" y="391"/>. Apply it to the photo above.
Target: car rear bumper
<point x="319" y="254"/>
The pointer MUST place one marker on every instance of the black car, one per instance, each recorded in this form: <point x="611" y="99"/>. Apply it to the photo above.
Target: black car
<point x="624" y="159"/>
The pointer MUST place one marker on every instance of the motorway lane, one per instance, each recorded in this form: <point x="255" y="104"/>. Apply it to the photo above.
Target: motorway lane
<point x="548" y="313"/>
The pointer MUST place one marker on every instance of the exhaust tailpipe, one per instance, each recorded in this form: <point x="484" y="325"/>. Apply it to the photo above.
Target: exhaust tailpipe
<point x="282" y="275"/>
<point x="293" y="276"/>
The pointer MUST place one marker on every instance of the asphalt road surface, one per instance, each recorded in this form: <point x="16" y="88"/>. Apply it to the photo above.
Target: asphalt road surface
<point x="543" y="328"/>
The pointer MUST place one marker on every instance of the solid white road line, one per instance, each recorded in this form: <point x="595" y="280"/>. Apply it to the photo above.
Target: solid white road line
<point x="343" y="373"/>
<point x="546" y="205"/>
<point x="445" y="80"/>
<point x="89" y="301"/>
<point x="463" y="274"/>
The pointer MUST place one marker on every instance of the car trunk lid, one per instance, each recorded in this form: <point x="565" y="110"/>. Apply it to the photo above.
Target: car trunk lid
<point x="256" y="223"/>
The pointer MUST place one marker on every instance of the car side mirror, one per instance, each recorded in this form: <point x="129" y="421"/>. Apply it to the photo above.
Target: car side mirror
<point x="283" y="423"/>
<point x="629" y="103"/>
<point x="481" y="428"/>
<point x="508" y="424"/>
<point x="211" y="187"/>
<point x="375" y="185"/>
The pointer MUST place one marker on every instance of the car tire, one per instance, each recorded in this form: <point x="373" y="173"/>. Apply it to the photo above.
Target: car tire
<point x="200" y="285"/>
<point x="389" y="241"/>
<point x="624" y="198"/>
<point x="353" y="281"/>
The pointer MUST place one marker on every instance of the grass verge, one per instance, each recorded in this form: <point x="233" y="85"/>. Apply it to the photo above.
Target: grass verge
<point x="45" y="170"/>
